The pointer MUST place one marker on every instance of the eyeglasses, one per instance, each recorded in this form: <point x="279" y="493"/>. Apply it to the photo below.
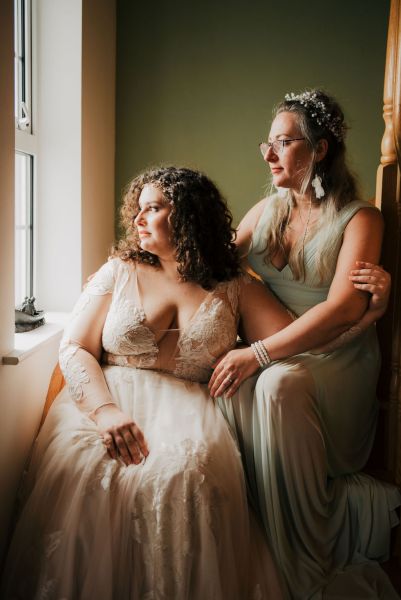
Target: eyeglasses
<point x="278" y="146"/>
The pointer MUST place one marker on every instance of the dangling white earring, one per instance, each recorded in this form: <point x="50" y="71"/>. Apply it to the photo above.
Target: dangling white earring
<point x="317" y="186"/>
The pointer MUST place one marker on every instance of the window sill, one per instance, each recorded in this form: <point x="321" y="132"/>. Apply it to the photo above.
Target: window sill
<point x="26" y="344"/>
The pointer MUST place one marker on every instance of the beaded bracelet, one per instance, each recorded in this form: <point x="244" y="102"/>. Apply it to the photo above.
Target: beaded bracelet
<point x="257" y="356"/>
<point x="261" y="354"/>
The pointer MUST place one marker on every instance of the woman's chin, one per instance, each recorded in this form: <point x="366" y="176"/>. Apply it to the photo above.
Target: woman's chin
<point x="146" y="246"/>
<point x="280" y="184"/>
<point x="279" y="181"/>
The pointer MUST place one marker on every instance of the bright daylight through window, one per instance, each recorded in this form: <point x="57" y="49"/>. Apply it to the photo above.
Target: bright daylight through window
<point x="24" y="156"/>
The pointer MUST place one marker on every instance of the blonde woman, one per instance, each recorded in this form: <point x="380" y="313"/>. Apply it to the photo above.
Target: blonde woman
<point x="309" y="429"/>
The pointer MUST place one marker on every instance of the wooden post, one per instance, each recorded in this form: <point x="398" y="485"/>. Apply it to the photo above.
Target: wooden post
<point x="388" y="443"/>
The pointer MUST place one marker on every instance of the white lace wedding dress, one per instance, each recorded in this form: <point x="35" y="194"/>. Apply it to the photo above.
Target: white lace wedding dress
<point x="175" y="527"/>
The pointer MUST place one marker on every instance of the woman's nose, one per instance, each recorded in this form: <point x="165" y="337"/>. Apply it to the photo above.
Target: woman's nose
<point x="270" y="155"/>
<point x="140" y="217"/>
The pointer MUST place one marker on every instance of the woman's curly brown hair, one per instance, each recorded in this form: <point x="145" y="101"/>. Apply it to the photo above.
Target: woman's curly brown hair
<point x="201" y="225"/>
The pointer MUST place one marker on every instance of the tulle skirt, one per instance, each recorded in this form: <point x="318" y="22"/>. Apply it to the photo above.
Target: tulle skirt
<point x="176" y="527"/>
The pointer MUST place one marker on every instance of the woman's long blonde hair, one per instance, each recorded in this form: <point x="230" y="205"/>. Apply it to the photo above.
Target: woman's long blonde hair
<point x="339" y="183"/>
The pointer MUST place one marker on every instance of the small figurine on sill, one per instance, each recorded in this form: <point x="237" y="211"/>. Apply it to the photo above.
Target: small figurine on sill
<point x="27" y="317"/>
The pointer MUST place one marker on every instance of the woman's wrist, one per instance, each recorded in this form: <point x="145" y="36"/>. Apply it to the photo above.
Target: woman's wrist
<point x="94" y="413"/>
<point x="261" y="354"/>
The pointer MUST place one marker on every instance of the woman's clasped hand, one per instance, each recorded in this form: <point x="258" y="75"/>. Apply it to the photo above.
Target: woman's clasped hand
<point x="121" y="435"/>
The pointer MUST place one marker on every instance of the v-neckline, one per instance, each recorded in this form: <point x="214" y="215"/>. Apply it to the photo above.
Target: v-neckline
<point x="181" y="330"/>
<point x="307" y="242"/>
<point x="277" y="269"/>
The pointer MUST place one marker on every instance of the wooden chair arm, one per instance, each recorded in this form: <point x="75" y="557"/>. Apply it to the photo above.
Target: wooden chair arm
<point x="57" y="382"/>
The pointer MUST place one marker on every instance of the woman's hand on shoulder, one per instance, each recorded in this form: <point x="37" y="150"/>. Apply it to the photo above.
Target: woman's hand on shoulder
<point x="230" y="370"/>
<point x="375" y="280"/>
<point x="121" y="435"/>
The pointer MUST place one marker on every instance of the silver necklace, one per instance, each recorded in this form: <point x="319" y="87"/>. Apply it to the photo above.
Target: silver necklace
<point x="300" y="218"/>
<point x="306" y="231"/>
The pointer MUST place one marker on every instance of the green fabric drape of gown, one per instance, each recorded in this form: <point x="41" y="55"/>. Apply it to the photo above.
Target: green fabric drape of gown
<point x="305" y="427"/>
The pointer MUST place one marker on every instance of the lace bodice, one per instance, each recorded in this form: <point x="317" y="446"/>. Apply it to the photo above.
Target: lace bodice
<point x="128" y="340"/>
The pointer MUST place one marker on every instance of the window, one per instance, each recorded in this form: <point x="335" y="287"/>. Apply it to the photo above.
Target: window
<point x="25" y="150"/>
<point x="22" y="64"/>
<point x="23" y="226"/>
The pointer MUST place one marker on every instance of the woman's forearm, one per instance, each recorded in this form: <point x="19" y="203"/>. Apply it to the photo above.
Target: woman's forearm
<point x="318" y="326"/>
<point x="84" y="377"/>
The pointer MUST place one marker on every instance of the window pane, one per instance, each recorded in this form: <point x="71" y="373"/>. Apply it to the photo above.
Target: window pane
<point x="23" y="227"/>
<point x="22" y="64"/>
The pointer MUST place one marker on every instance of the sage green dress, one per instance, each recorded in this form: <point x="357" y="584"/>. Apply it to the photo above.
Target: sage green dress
<point x="305" y="436"/>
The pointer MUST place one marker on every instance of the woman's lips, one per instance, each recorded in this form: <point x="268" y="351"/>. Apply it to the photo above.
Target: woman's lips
<point x="276" y="170"/>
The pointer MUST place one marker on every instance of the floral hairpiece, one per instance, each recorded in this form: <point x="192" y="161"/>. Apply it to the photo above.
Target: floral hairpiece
<point x="318" y="112"/>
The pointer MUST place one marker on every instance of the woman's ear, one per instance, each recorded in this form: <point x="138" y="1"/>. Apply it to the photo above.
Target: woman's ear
<point x="321" y="149"/>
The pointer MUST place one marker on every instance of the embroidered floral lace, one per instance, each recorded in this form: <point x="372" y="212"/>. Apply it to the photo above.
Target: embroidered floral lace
<point x="128" y="341"/>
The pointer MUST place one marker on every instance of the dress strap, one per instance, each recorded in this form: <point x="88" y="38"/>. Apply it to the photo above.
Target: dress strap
<point x="350" y="210"/>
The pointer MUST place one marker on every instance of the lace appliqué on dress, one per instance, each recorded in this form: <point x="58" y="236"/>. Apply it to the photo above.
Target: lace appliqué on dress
<point x="125" y="335"/>
<point x="103" y="281"/>
<point x="171" y="499"/>
<point x="213" y="328"/>
<point x="182" y="465"/>
<point x="47" y="589"/>
<point x="104" y="473"/>
<point x="232" y="289"/>
<point x="129" y="342"/>
<point x="52" y="542"/>
<point x="75" y="374"/>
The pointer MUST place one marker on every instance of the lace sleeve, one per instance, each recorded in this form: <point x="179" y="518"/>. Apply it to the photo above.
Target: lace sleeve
<point x="81" y="345"/>
<point x="233" y="290"/>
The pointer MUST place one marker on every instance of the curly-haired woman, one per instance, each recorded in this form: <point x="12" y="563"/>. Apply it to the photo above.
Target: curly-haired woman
<point x="136" y="488"/>
<point x="309" y="429"/>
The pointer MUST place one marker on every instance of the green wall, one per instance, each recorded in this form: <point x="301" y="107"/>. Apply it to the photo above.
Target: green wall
<point x="196" y="82"/>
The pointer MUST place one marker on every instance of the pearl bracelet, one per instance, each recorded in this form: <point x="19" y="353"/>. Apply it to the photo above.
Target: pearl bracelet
<point x="261" y="354"/>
